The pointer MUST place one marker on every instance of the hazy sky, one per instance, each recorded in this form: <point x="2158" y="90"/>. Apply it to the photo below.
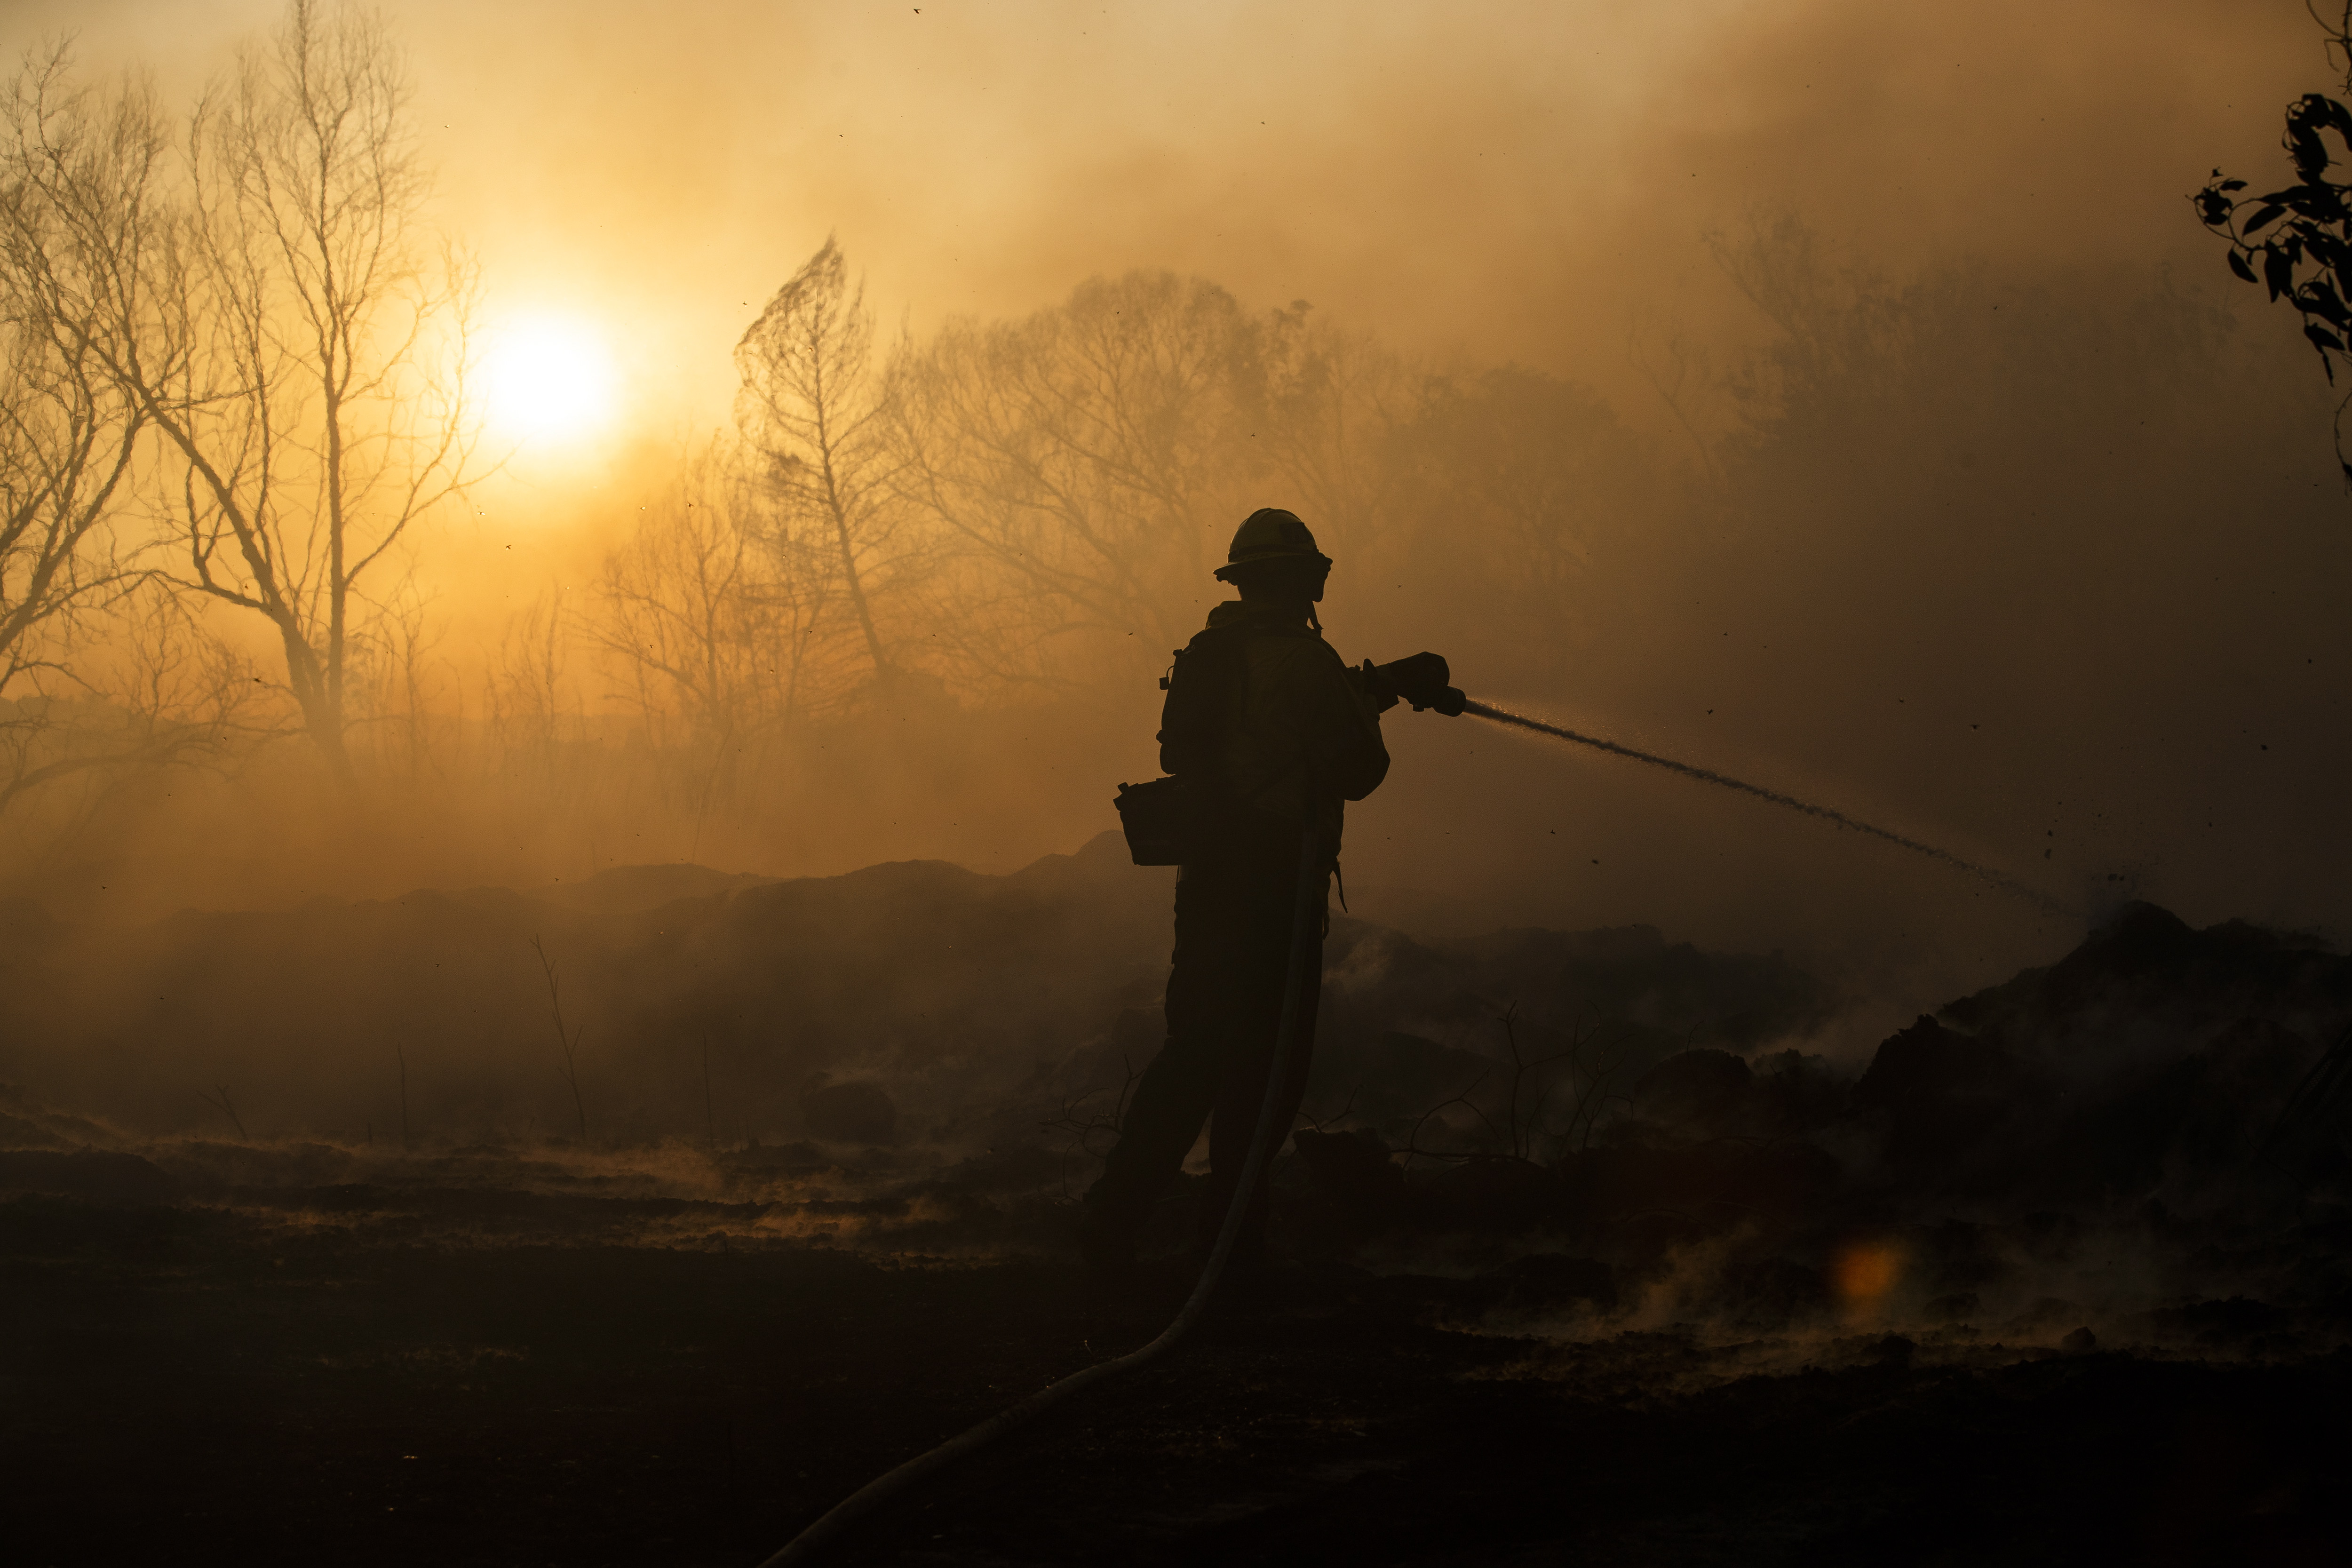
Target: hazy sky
<point x="1522" y="181"/>
<point x="1506" y="181"/>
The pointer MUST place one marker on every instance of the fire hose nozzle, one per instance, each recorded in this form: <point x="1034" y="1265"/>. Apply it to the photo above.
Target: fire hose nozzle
<point x="1419" y="681"/>
<point x="1449" y="700"/>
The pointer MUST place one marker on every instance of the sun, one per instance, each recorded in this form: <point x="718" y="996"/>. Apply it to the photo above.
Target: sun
<point x="551" y="380"/>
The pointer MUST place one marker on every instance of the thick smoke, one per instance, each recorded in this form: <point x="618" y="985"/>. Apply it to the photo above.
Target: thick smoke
<point x="1906" y="446"/>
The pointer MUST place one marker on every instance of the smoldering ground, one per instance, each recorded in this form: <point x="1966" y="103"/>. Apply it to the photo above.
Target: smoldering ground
<point x="1604" y="1165"/>
<point x="2099" y="1131"/>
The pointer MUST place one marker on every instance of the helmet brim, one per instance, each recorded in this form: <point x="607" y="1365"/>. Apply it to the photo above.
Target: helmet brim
<point x="1225" y="573"/>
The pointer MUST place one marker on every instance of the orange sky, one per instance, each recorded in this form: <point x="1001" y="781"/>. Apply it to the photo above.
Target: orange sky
<point x="1515" y="181"/>
<point x="1523" y="180"/>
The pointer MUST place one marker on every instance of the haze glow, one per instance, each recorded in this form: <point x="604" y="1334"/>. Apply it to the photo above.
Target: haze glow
<point x="551" y="381"/>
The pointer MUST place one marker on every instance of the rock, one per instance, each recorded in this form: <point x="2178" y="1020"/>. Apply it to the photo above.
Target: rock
<point x="2081" y="1342"/>
<point x="2145" y="983"/>
<point x="1796" y="1093"/>
<point x="1945" y="1094"/>
<point x="2142" y="944"/>
<point x="1930" y="1061"/>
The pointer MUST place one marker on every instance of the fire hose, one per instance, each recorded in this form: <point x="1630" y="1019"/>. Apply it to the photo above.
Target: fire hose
<point x="1306" y="914"/>
<point x="1419" y="681"/>
<point x="2006" y="883"/>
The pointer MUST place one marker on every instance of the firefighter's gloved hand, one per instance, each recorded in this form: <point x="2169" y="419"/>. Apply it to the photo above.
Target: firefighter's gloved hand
<point x="1420" y="680"/>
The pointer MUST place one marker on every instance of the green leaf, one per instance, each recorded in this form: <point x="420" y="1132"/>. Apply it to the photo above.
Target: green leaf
<point x="2238" y="265"/>
<point x="2263" y="218"/>
<point x="2322" y="338"/>
<point x="2233" y="185"/>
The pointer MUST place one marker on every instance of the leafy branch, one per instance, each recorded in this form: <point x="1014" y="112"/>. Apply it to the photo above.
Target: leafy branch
<point x="2297" y="241"/>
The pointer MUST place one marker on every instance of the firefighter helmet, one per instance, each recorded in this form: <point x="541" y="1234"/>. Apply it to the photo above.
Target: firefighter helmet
<point x="1269" y="533"/>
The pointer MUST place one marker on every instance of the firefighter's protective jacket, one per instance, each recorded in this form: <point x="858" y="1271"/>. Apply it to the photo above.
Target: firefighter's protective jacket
<point x="1260" y="704"/>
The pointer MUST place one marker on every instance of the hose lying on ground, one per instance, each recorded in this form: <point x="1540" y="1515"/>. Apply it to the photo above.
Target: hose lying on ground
<point x="1305" y="910"/>
<point x="2007" y="884"/>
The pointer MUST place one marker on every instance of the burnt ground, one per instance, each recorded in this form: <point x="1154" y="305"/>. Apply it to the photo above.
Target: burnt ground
<point x="2062" y="1273"/>
<point x="469" y="1375"/>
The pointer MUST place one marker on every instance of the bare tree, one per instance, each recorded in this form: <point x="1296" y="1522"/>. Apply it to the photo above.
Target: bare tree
<point x="1538" y="469"/>
<point x="335" y="410"/>
<point x="68" y="434"/>
<point x="66" y="440"/>
<point x="407" y="676"/>
<point x="1089" y="456"/>
<point x="101" y="667"/>
<point x="716" y="635"/>
<point x="700" y="622"/>
<point x="161" y="693"/>
<point x="526" y="690"/>
<point x="1841" y="327"/>
<point x="1325" y="415"/>
<point x="812" y="414"/>
<point x="567" y="1039"/>
<point x="275" y="316"/>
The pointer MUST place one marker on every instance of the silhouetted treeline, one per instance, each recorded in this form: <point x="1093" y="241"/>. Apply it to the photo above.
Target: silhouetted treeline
<point x="934" y="576"/>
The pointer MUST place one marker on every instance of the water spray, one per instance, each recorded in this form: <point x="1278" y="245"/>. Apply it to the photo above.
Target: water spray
<point x="1421" y="681"/>
<point x="1986" y="874"/>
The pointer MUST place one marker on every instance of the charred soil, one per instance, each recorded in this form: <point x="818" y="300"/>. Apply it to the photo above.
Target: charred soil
<point x="414" y="1369"/>
<point x="1633" y="1280"/>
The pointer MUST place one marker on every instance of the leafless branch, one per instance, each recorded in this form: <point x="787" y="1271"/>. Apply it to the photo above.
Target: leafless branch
<point x="219" y="1100"/>
<point x="568" y="1039"/>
